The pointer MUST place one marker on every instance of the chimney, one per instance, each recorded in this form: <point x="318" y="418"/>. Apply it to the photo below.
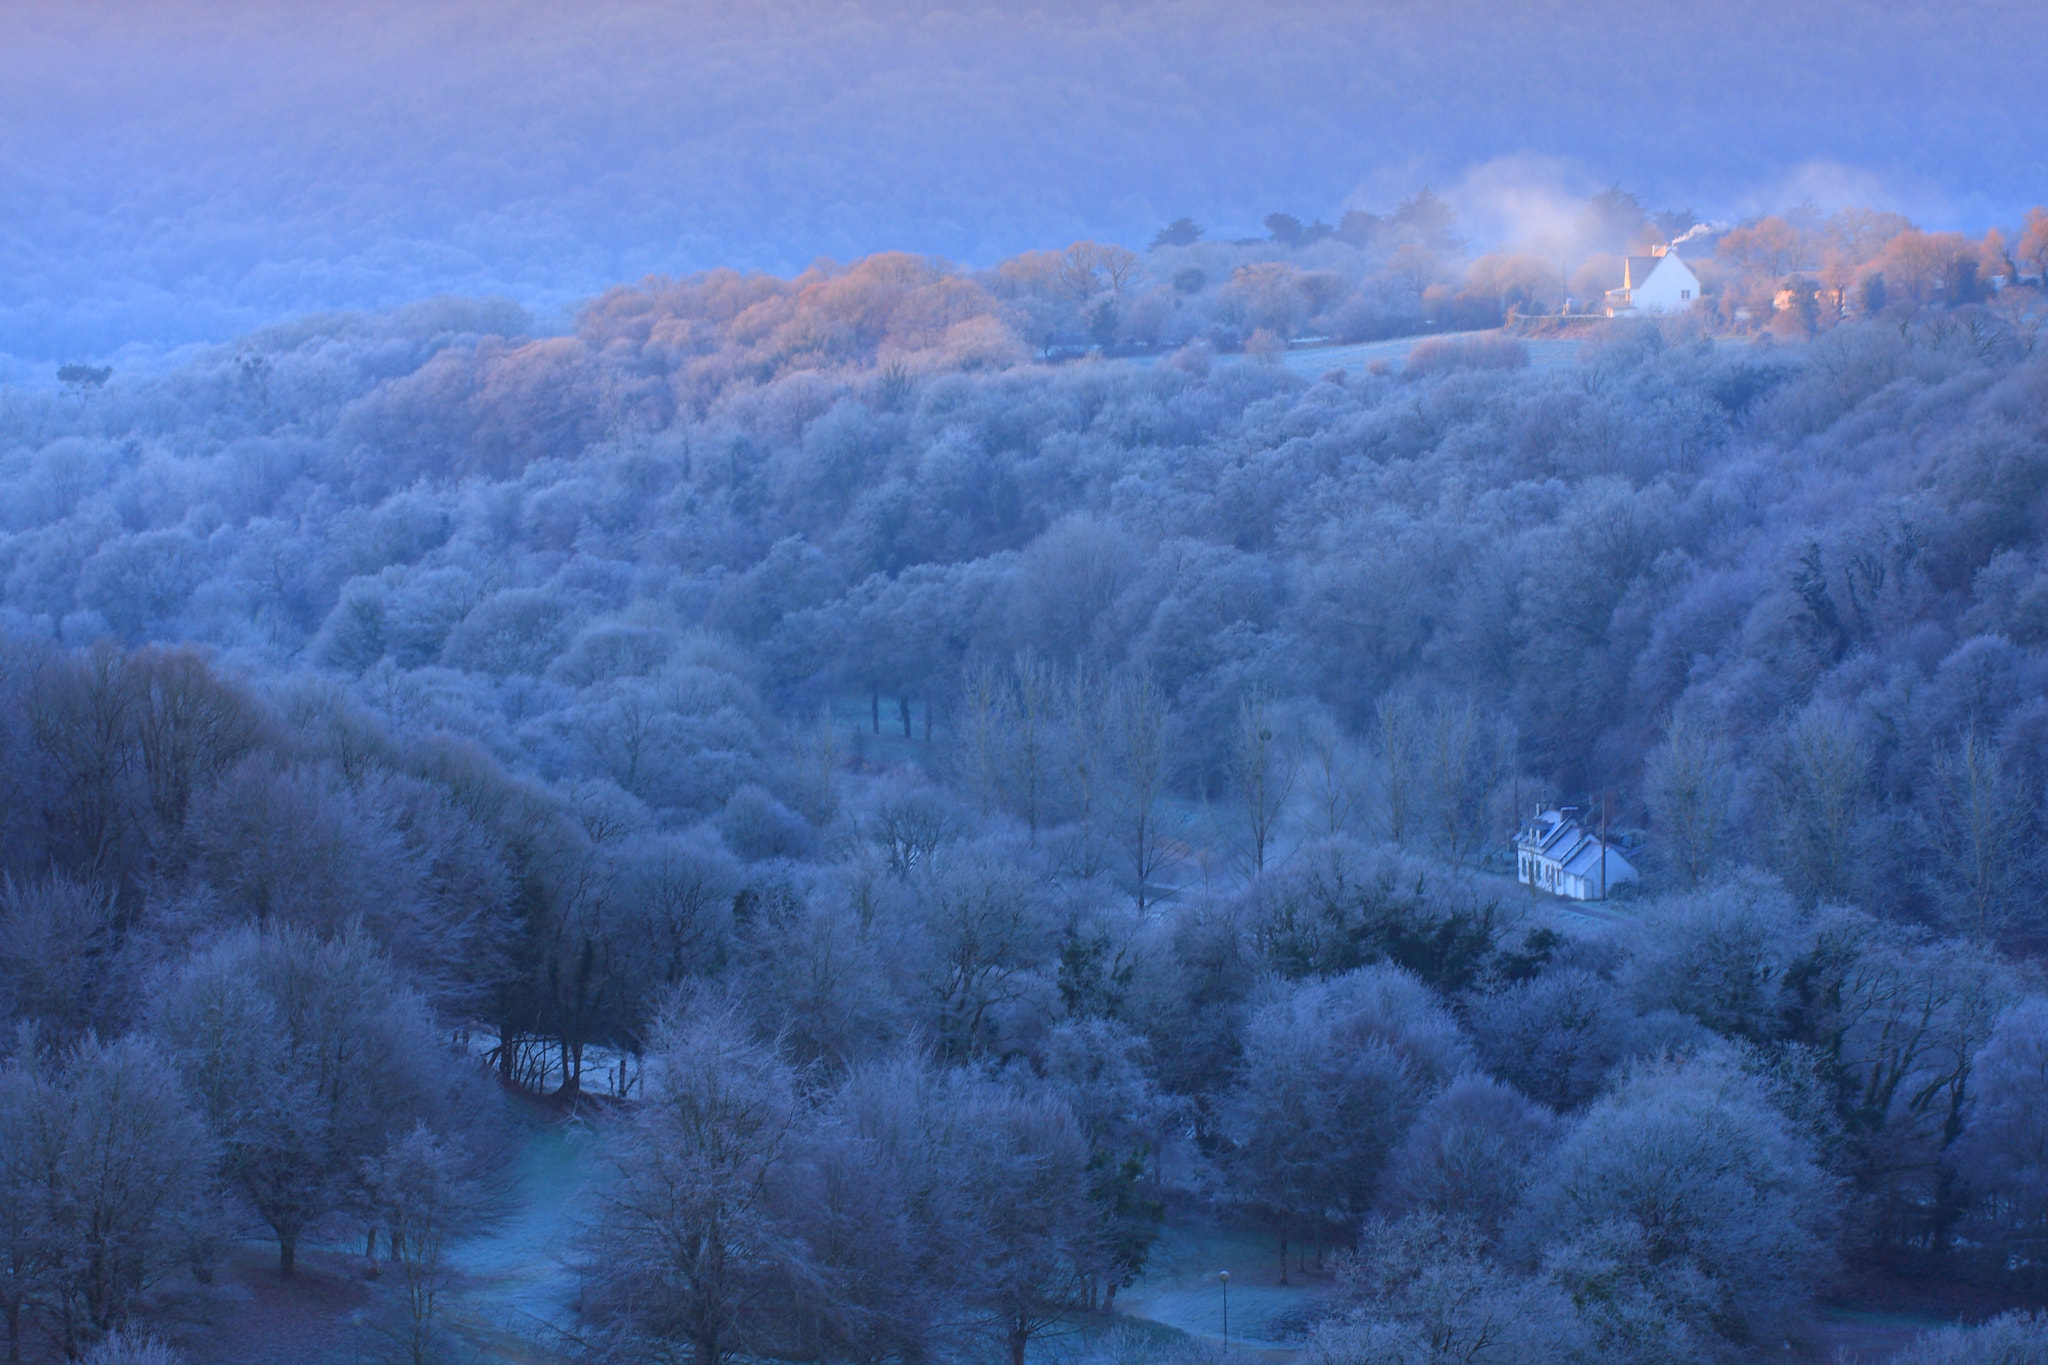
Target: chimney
<point x="1661" y="250"/>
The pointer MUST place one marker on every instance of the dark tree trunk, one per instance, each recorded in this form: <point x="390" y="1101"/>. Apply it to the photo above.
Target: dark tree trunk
<point x="572" y="1069"/>
<point x="288" y="1256"/>
<point x="903" y="710"/>
<point x="875" y="710"/>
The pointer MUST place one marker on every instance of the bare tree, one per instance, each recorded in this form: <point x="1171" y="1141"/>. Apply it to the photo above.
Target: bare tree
<point x="103" y="1169"/>
<point x="420" y="1192"/>
<point x="1026" y="1168"/>
<point x="1027" y="712"/>
<point x="1688" y="783"/>
<point x="1084" y="715"/>
<point x="1122" y="267"/>
<point x="1821" y="778"/>
<point x="125" y="1348"/>
<point x="1263" y="765"/>
<point x="879" y="1285"/>
<point x="1425" y="1288"/>
<point x="57" y="943"/>
<point x="1907" y="1020"/>
<point x="985" y="934"/>
<point x="911" y="823"/>
<point x="688" y="1248"/>
<point x="1469" y="1154"/>
<point x="1334" y="773"/>
<point x="1085" y="268"/>
<point x="81" y="714"/>
<point x="1439" y="767"/>
<point x="191" y="728"/>
<point x="980" y="730"/>
<point x="2003" y="1151"/>
<point x="1981" y="825"/>
<point x="1333" y="1073"/>
<point x="1138" y="746"/>
<point x="1400" y="770"/>
<point x="1463" y="762"/>
<point x="674" y="896"/>
<point x="29" y="1240"/>
<point x="580" y="959"/>
<point x="889" y="1219"/>
<point x="1688" y="1183"/>
<point x="304" y="1058"/>
<point x="812" y="970"/>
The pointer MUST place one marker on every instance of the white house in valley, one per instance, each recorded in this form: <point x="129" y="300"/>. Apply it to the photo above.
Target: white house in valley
<point x="1656" y="283"/>
<point x="1554" y="853"/>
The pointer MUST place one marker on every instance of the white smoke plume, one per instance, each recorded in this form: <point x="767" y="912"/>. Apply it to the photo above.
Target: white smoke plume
<point x="1699" y="230"/>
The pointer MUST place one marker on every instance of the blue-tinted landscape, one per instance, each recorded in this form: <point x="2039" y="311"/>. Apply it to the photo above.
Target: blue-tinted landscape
<point x="1037" y="685"/>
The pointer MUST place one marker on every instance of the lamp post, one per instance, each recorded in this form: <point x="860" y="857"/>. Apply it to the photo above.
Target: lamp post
<point x="1223" y="1278"/>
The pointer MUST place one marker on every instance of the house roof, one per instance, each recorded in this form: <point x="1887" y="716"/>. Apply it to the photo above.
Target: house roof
<point x="1585" y="862"/>
<point x="1637" y="269"/>
<point x="1561" y="839"/>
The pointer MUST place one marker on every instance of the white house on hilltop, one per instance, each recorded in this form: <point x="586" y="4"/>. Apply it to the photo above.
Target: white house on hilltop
<point x="1553" y="853"/>
<point x="1656" y="283"/>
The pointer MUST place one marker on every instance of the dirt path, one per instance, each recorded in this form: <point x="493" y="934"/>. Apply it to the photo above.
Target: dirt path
<point x="1181" y="1290"/>
<point x="514" y="1284"/>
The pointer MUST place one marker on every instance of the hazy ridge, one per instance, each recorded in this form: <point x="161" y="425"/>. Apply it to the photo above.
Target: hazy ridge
<point x="184" y="174"/>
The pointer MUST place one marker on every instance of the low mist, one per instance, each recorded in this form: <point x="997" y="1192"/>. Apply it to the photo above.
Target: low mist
<point x="183" y="173"/>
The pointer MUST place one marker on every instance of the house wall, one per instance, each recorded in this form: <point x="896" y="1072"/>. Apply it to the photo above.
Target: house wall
<point x="1546" y="874"/>
<point x="1671" y="288"/>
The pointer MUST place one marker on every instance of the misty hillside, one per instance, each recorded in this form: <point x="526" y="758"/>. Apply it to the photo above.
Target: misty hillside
<point x="784" y="822"/>
<point x="187" y="173"/>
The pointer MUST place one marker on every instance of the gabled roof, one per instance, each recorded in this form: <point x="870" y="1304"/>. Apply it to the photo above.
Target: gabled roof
<point x="1546" y="828"/>
<point x="1559" y="838"/>
<point x="1585" y="862"/>
<point x="1637" y="269"/>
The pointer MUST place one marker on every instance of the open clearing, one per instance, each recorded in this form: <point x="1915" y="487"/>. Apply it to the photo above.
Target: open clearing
<point x="1180" y="1289"/>
<point x="1313" y="362"/>
<point x="515" y="1281"/>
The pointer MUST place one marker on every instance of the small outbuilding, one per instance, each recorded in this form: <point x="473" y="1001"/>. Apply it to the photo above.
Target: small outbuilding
<point x="1554" y="853"/>
<point x="1653" y="284"/>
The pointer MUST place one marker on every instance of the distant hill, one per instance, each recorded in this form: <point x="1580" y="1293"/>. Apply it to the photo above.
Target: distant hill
<point x="176" y="174"/>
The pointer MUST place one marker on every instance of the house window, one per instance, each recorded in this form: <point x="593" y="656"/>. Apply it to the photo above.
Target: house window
<point x="1685" y="293"/>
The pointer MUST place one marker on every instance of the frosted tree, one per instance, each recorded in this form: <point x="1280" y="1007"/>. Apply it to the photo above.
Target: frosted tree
<point x="304" y="1057"/>
<point x="689" y="1248"/>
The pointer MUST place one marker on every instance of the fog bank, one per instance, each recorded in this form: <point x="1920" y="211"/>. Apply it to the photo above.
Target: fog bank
<point x="183" y="173"/>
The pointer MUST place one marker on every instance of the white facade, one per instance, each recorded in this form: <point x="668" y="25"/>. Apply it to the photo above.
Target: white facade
<point x="1553" y="853"/>
<point x="1658" y="283"/>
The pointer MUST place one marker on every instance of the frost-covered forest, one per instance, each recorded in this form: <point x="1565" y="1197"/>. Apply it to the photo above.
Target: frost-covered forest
<point x="944" y="820"/>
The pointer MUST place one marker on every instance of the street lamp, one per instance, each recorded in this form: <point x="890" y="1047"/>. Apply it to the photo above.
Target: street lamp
<point x="1223" y="1277"/>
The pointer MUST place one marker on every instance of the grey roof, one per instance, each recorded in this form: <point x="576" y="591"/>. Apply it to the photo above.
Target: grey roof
<point x="1561" y="839"/>
<point x="1636" y="269"/>
<point x="1585" y="862"/>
